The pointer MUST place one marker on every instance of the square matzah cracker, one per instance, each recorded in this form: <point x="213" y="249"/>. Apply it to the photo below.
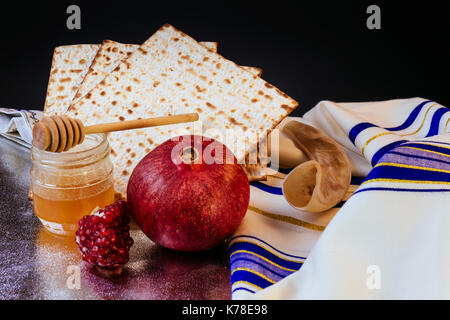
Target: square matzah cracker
<point x="108" y="57"/>
<point x="69" y="66"/>
<point x="171" y="73"/>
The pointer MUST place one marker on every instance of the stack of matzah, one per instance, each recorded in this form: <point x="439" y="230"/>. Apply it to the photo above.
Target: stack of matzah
<point x="168" y="74"/>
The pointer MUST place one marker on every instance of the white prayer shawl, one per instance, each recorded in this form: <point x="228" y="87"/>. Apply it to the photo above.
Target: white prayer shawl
<point x="390" y="240"/>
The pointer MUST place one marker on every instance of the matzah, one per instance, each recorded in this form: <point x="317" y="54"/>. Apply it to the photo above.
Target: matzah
<point x="108" y="57"/>
<point x="69" y="66"/>
<point x="171" y="73"/>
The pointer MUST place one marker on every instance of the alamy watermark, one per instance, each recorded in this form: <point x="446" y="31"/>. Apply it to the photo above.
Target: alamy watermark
<point x="250" y="147"/>
<point x="73" y="282"/>
<point x="373" y="281"/>
<point x="374" y="20"/>
<point x="73" y="22"/>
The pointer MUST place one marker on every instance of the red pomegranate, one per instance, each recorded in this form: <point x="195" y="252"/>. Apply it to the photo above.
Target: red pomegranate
<point x="189" y="193"/>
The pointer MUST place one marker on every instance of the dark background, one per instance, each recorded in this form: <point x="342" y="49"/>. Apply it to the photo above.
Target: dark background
<point x="313" y="51"/>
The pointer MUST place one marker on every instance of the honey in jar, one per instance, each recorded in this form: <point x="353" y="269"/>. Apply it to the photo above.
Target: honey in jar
<point x="68" y="185"/>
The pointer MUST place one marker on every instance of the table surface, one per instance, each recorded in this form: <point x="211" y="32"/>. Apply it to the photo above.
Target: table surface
<point x="37" y="265"/>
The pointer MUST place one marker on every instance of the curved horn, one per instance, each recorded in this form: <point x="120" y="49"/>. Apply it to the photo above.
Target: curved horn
<point x="322" y="182"/>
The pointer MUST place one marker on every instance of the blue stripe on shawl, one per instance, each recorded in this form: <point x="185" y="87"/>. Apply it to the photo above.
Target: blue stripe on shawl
<point x="434" y="127"/>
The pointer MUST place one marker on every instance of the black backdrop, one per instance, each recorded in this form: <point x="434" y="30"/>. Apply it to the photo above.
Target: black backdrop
<point x="311" y="50"/>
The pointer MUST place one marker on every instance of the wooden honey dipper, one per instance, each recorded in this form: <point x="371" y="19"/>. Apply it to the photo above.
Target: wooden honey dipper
<point x="60" y="133"/>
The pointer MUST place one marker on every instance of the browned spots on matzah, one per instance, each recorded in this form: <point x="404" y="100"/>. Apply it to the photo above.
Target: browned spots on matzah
<point x="199" y="110"/>
<point x="121" y="118"/>
<point x="125" y="173"/>
<point x="115" y="49"/>
<point x="162" y="99"/>
<point x="60" y="88"/>
<point x="186" y="57"/>
<point x="149" y="140"/>
<point x="210" y="105"/>
<point x="135" y="104"/>
<point x="218" y="66"/>
<point x="66" y="79"/>
<point x="89" y="95"/>
<point x="103" y="93"/>
<point x="234" y="121"/>
<point x="136" y="80"/>
<point x="113" y="152"/>
<point x="140" y="144"/>
<point x="76" y="70"/>
<point x="155" y="84"/>
<point x="200" y="89"/>
<point x="129" y="162"/>
<point x="130" y="111"/>
<point x="143" y="51"/>
<point x="175" y="39"/>
<point x="286" y="107"/>
<point x="133" y="155"/>
<point x="128" y="150"/>
<point x="254" y="100"/>
<point x="268" y="97"/>
<point x="178" y="84"/>
<point x="114" y="103"/>
<point x="268" y="85"/>
<point x="128" y="88"/>
<point x="227" y="81"/>
<point x="261" y="93"/>
<point x="82" y="61"/>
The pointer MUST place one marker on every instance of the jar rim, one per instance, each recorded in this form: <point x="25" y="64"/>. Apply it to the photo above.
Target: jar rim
<point x="100" y="147"/>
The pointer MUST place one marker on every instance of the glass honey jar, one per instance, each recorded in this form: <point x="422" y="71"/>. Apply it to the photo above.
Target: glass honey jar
<point x="68" y="185"/>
